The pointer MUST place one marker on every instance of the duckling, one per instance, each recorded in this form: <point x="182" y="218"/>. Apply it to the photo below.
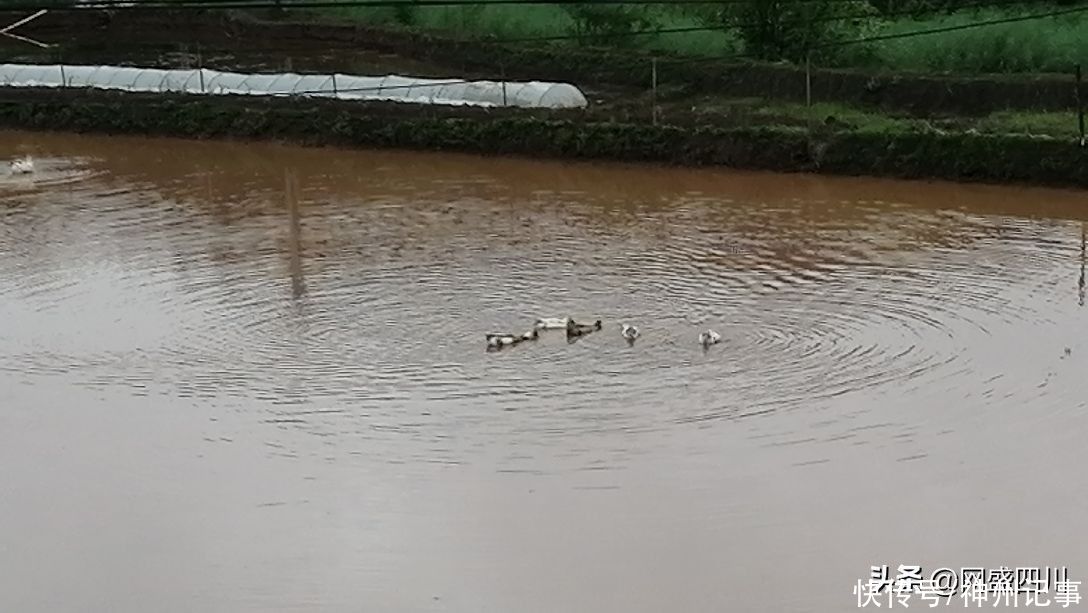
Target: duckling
<point x="551" y="323"/>
<point x="502" y="340"/>
<point x="630" y="333"/>
<point x="22" y="166"/>
<point x="496" y="340"/>
<point x="709" y="338"/>
<point x="577" y="329"/>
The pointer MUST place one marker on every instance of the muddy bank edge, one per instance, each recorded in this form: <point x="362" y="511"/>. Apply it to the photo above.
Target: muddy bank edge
<point x="951" y="156"/>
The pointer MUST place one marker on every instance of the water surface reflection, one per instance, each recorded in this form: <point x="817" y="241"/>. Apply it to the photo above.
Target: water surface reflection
<point x="253" y="377"/>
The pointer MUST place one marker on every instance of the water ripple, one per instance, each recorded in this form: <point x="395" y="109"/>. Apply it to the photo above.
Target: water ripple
<point x="380" y="303"/>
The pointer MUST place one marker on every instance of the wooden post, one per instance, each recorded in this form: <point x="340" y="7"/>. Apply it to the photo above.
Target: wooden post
<point x="200" y="67"/>
<point x="502" y="73"/>
<point x="653" y="87"/>
<point x="60" y="65"/>
<point x="808" y="79"/>
<point x="1080" y="107"/>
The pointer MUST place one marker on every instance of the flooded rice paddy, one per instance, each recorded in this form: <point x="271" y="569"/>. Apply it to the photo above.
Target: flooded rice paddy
<point x="249" y="377"/>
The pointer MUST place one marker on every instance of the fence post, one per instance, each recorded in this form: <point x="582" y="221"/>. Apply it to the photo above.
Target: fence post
<point x="1080" y="107"/>
<point x="653" y="87"/>
<point x="200" y="67"/>
<point x="502" y="74"/>
<point x="60" y="63"/>
<point x="808" y="79"/>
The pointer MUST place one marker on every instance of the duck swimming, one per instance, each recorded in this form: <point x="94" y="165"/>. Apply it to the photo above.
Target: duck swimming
<point x="551" y="323"/>
<point x="501" y="340"/>
<point x="577" y="329"/>
<point x="709" y="338"/>
<point x="629" y="332"/>
<point x="22" y="166"/>
<point x="498" y="340"/>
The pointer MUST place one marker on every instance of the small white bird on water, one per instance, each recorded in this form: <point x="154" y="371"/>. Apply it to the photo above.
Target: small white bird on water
<point x="551" y="323"/>
<point x="629" y="332"/>
<point x="22" y="166"/>
<point x="709" y="338"/>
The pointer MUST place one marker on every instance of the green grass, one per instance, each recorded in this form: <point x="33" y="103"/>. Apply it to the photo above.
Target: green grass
<point x="1047" y="45"/>
<point x="707" y="43"/>
<point x="757" y="111"/>
<point x="1051" y="124"/>
<point x="518" y="22"/>
<point x="858" y="119"/>
<point x="501" y="21"/>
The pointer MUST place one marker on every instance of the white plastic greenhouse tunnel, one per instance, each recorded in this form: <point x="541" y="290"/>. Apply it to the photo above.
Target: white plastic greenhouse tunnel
<point x="532" y="94"/>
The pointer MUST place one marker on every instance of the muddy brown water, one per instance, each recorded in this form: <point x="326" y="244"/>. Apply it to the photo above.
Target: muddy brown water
<point x="210" y="403"/>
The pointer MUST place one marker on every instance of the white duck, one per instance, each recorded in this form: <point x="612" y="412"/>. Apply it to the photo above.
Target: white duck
<point x="551" y="323"/>
<point x="709" y="338"/>
<point x="22" y="166"/>
<point x="629" y="332"/>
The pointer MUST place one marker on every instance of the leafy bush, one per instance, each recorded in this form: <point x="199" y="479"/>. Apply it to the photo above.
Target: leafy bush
<point x="788" y="29"/>
<point x="405" y="14"/>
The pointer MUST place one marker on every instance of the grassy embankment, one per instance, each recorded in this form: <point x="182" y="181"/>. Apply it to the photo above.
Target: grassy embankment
<point x="1053" y="44"/>
<point x="1049" y="45"/>
<point x="835" y="117"/>
<point x="890" y="149"/>
<point x="744" y="115"/>
<point x="1017" y="49"/>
